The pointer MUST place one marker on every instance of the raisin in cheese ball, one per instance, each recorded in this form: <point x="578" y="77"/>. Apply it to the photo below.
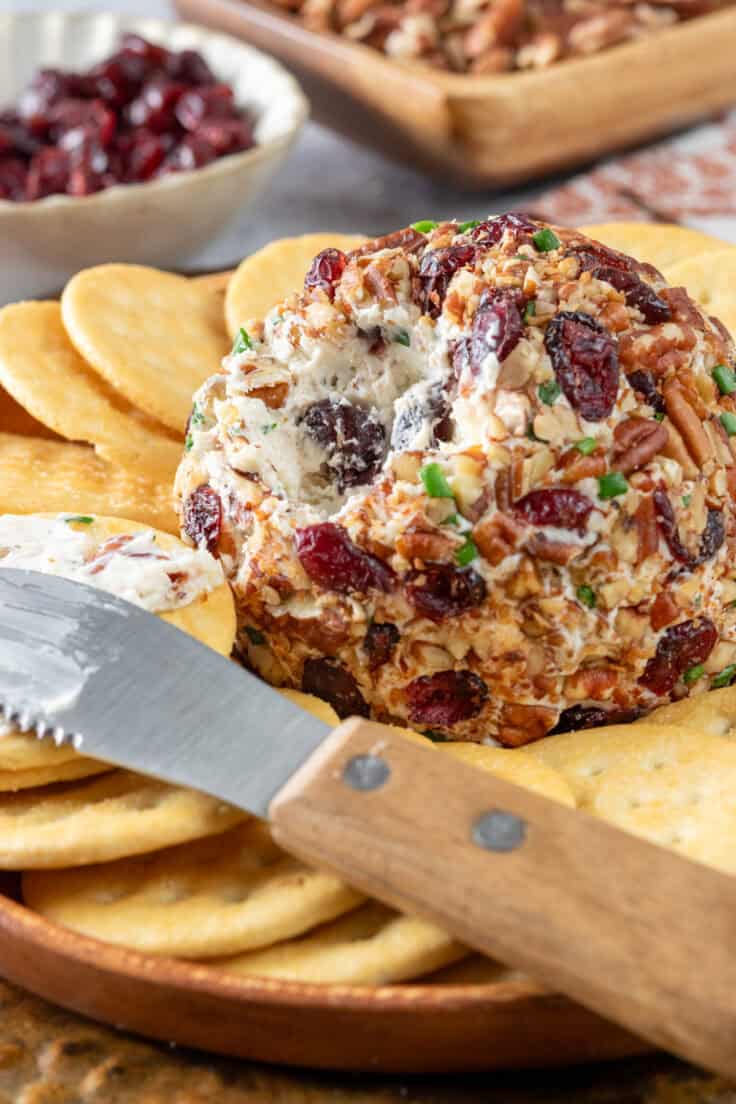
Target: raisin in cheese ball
<point x="477" y="480"/>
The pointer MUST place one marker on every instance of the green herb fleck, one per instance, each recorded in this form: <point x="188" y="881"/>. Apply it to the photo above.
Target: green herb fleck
<point x="612" y="484"/>
<point x="269" y="428"/>
<point x="687" y="499"/>
<point x="545" y="240"/>
<point x="586" y="595"/>
<point x="659" y="416"/>
<point x="242" y="342"/>
<point x="693" y="674"/>
<point x="402" y="338"/>
<point x="530" y="310"/>
<point x="197" y="417"/>
<point x="254" y="635"/>
<point x="725" y="378"/>
<point x="188" y="442"/>
<point x="724" y="677"/>
<point x="435" y="483"/>
<point x="425" y="226"/>
<point x="453" y="519"/>
<point x="465" y="226"/>
<point x="586" y="445"/>
<point x="728" y="421"/>
<point x="549" y="391"/>
<point x="467" y="553"/>
<point x="79" y="519"/>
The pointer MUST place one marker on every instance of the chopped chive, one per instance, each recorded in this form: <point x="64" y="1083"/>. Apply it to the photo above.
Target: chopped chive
<point x="402" y="338"/>
<point x="188" y="442"/>
<point x="693" y="674"/>
<point x="465" y="226"/>
<point x="586" y="595"/>
<point x="725" y="378"/>
<point x="453" y="519"/>
<point x="424" y="226"/>
<point x="435" y="483"/>
<point x="254" y="635"/>
<point x="269" y="428"/>
<point x="728" y="421"/>
<point x="545" y="240"/>
<point x="659" y="416"/>
<point x="724" y="677"/>
<point x="611" y="485"/>
<point x="530" y="310"/>
<point x="687" y="499"/>
<point x="242" y="341"/>
<point x="586" y="445"/>
<point x="549" y="391"/>
<point x="79" y="519"/>
<point x="467" y="553"/>
<point x="197" y="417"/>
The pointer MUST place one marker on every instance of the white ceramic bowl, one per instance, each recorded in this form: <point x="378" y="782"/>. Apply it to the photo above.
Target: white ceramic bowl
<point x="161" y="222"/>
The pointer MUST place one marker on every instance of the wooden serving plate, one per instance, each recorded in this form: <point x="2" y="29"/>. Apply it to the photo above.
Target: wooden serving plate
<point x="496" y="130"/>
<point x="509" y="1023"/>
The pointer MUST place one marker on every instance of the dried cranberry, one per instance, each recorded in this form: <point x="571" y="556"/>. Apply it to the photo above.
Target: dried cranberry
<point x="577" y="717"/>
<point x="644" y="383"/>
<point x="211" y="102"/>
<point x="143" y="155"/>
<point x="325" y="270"/>
<point x="424" y="410"/>
<point x="12" y="178"/>
<point x="333" y="683"/>
<point x="497" y="325"/>
<point x="558" y="506"/>
<point x="193" y="152"/>
<point x="48" y="173"/>
<point x="156" y="107"/>
<point x="353" y="438"/>
<point x="227" y="135"/>
<point x="379" y="643"/>
<point x="203" y="517"/>
<point x="445" y="698"/>
<point x="190" y="67"/>
<point x="73" y="121"/>
<point x="152" y="53"/>
<point x="585" y="360"/>
<point x="15" y="137"/>
<point x="436" y="270"/>
<point x="47" y="88"/>
<point x="594" y="254"/>
<point x="636" y="292"/>
<point x="679" y="648"/>
<point x="118" y="80"/>
<point x="331" y="560"/>
<point x="492" y="230"/>
<point x="442" y="590"/>
<point x="711" y="539"/>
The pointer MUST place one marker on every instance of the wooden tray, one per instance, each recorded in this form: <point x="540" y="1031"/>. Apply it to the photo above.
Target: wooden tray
<point x="511" y="1023"/>
<point x="497" y="130"/>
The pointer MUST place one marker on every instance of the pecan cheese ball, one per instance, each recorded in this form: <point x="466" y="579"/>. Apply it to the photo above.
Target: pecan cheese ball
<point x="476" y="479"/>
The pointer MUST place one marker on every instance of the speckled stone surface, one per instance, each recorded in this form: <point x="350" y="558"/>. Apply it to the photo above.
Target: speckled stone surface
<point x="48" y="1056"/>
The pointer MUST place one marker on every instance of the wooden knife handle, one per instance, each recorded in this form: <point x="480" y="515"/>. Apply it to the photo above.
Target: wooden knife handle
<point x="635" y="932"/>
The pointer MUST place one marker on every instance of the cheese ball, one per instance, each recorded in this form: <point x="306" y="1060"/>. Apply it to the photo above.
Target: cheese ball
<point x="476" y="479"/>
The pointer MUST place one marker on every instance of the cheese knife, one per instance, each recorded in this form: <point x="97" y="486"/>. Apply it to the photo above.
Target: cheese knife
<point x="633" y="931"/>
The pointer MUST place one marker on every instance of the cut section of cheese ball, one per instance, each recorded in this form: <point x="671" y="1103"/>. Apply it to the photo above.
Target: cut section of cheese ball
<point x="476" y="479"/>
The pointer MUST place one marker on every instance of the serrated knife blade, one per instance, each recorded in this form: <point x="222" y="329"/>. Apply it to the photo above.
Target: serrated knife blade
<point x="639" y="934"/>
<point x="127" y="687"/>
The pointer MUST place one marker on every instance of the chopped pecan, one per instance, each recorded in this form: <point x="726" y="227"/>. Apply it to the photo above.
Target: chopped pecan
<point x="408" y="239"/>
<point x="588" y="36"/>
<point x="326" y="633"/>
<point x="523" y="724"/>
<point x="664" y="611"/>
<point x="680" y="410"/>
<point x="575" y="466"/>
<point x="635" y="442"/>
<point x="559" y="552"/>
<point x="684" y="310"/>
<point x="676" y="449"/>
<point x="422" y="542"/>
<point x="379" y="284"/>
<point x="273" y="396"/>
<point x="646" y="523"/>
<point x="496" y="27"/>
<point x="721" y="441"/>
<point x="497" y="537"/>
<point x="595" y="683"/>
<point x="499" y="59"/>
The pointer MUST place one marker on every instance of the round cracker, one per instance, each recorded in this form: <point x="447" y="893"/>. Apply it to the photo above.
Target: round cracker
<point x="372" y="946"/>
<point x="713" y="713"/>
<point x="43" y="371"/>
<point x="98" y="820"/>
<point x="15" y="419"/>
<point x="11" y="781"/>
<point x="658" y="243"/>
<point x="583" y="757"/>
<point x="40" y="476"/>
<point x="522" y="770"/>
<point x="710" y="279"/>
<point x="268" y="276"/>
<point x="155" y="337"/>
<point x="217" y="896"/>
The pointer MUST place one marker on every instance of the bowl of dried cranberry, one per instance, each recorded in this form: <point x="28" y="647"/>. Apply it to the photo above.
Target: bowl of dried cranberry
<point x="129" y="140"/>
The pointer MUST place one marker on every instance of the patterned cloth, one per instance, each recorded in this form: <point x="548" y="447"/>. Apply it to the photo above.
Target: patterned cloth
<point x="689" y="179"/>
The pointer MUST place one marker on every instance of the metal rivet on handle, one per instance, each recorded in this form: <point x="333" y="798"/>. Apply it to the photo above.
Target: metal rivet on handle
<point x="499" y="831"/>
<point x="366" y="772"/>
